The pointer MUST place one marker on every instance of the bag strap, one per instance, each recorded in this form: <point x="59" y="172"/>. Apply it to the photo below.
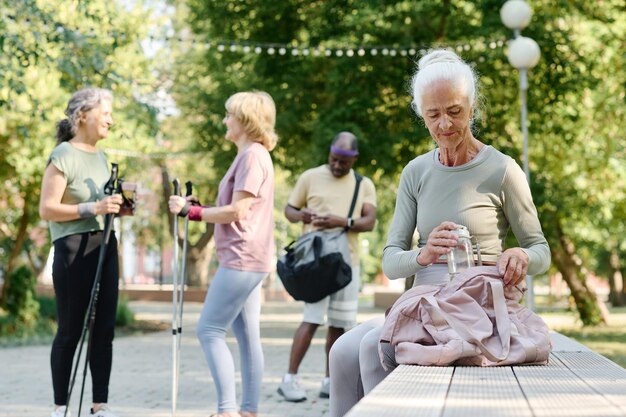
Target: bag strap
<point x="356" y="193"/>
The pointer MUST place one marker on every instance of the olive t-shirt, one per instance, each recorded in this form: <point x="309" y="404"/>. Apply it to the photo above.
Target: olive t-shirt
<point x="86" y="174"/>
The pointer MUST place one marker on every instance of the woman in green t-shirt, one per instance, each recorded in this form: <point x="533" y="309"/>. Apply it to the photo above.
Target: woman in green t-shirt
<point x="74" y="204"/>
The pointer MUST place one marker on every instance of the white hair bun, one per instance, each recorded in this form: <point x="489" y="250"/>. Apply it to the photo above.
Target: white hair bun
<point x="438" y="56"/>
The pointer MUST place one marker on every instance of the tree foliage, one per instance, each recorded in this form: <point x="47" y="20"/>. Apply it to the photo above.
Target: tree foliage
<point x="49" y="49"/>
<point x="576" y="114"/>
<point x="575" y="98"/>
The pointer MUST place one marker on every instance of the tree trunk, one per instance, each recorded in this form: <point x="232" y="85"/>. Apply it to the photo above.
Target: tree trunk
<point x="571" y="268"/>
<point x="198" y="261"/>
<point x="617" y="296"/>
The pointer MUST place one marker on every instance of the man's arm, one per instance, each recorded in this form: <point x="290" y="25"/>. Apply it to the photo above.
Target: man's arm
<point x="366" y="222"/>
<point x="362" y="224"/>
<point x="295" y="215"/>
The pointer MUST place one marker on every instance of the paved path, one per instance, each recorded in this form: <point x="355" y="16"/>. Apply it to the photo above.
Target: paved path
<point x="141" y="378"/>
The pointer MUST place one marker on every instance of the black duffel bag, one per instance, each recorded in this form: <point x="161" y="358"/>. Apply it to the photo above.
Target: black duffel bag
<point x="316" y="265"/>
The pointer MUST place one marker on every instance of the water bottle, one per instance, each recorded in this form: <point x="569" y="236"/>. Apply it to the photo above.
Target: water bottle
<point x="462" y="255"/>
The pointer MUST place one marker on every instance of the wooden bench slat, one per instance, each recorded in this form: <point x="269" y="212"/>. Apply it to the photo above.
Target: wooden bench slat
<point x="601" y="374"/>
<point x="576" y="383"/>
<point x="411" y="388"/>
<point x="554" y="390"/>
<point x="485" y="392"/>
<point x="561" y="343"/>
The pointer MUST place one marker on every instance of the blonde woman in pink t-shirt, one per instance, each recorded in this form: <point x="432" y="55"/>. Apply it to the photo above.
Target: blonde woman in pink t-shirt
<point x="245" y="246"/>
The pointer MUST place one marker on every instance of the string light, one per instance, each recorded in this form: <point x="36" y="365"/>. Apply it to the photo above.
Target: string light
<point x="247" y="47"/>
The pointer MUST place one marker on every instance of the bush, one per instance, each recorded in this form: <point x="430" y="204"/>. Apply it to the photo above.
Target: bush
<point x="124" y="316"/>
<point x="47" y="307"/>
<point x="19" y="298"/>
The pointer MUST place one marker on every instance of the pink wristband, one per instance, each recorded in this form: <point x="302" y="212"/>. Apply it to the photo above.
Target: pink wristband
<point x="195" y="213"/>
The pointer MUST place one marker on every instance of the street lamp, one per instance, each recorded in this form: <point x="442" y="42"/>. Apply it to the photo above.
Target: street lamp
<point x="523" y="54"/>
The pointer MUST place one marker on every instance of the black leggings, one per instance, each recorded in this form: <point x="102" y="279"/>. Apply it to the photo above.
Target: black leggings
<point x="73" y="273"/>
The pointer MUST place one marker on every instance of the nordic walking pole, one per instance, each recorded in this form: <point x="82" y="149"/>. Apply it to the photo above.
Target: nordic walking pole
<point x="175" y="271"/>
<point x="181" y="293"/>
<point x="90" y="316"/>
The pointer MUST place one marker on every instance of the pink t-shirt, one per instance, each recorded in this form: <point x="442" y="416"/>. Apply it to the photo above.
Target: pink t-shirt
<point x="248" y="245"/>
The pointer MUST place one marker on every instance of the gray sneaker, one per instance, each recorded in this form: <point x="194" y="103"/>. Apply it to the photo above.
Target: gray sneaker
<point x="325" y="390"/>
<point x="105" y="411"/>
<point x="290" y="389"/>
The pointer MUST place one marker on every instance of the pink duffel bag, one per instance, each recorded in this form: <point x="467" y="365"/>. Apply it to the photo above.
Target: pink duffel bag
<point x="472" y="320"/>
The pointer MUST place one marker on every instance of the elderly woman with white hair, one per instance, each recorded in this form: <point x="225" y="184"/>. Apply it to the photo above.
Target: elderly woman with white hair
<point x="462" y="181"/>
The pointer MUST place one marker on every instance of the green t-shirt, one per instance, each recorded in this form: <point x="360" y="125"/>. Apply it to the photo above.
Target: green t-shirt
<point x="86" y="174"/>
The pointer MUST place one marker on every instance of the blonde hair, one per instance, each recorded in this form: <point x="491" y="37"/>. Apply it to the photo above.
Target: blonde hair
<point x="444" y="64"/>
<point x="257" y="113"/>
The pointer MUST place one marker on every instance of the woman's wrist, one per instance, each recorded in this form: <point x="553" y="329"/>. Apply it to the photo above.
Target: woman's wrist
<point x="87" y="210"/>
<point x="421" y="263"/>
<point x="195" y="213"/>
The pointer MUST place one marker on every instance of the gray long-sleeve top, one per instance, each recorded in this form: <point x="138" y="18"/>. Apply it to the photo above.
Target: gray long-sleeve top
<point x="489" y="195"/>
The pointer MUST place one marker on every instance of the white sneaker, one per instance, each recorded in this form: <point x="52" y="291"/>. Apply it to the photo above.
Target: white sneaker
<point x="60" y="412"/>
<point x="290" y="389"/>
<point x="325" y="390"/>
<point x="105" y="411"/>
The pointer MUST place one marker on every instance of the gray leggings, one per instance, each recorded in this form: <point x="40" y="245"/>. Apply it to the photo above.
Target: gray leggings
<point x="233" y="299"/>
<point x="355" y="367"/>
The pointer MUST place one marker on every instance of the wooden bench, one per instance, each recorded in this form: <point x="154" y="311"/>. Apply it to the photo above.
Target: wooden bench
<point x="576" y="383"/>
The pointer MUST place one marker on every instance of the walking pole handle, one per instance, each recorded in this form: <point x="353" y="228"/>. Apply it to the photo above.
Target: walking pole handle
<point x="109" y="187"/>
<point x="188" y="188"/>
<point x="176" y="184"/>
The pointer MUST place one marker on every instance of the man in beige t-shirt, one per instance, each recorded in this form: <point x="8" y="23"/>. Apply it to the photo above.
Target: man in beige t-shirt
<point x="321" y="200"/>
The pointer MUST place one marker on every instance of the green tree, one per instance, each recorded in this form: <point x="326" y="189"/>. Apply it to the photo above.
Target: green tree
<point x="576" y="97"/>
<point x="49" y="50"/>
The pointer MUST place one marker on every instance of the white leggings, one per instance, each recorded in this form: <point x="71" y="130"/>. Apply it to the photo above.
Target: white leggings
<point x="355" y="367"/>
<point x="233" y="299"/>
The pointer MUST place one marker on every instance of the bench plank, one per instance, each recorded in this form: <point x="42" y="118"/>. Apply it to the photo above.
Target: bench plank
<point x="576" y="383"/>
<point x="485" y="392"/>
<point x="599" y="373"/>
<point x="561" y="343"/>
<point x="412" y="388"/>
<point x="553" y="390"/>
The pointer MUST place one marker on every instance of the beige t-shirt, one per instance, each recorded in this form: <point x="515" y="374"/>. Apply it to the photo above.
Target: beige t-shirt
<point x="319" y="190"/>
